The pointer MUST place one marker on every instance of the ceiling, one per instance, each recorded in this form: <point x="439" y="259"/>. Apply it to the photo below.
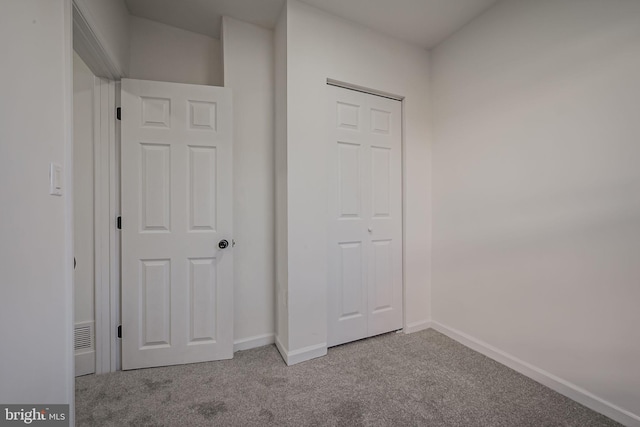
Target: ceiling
<point x="421" y="22"/>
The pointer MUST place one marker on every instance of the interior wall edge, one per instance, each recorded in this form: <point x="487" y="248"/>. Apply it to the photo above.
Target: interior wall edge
<point x="417" y="326"/>
<point x="301" y="355"/>
<point x="254" y="342"/>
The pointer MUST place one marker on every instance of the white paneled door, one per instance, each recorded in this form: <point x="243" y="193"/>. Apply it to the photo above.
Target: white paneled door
<point x="365" y="215"/>
<point x="177" y="281"/>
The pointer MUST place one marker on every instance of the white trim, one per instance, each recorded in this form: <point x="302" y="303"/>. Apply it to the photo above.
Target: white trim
<point x="417" y="326"/>
<point x="281" y="349"/>
<point x="89" y="46"/>
<point x="106" y="276"/>
<point x="253" y="342"/>
<point x="84" y="362"/>
<point x="301" y="355"/>
<point x="68" y="290"/>
<point x="363" y="89"/>
<point x="114" y="212"/>
<point x="403" y="189"/>
<point x="85" y="358"/>
<point x="100" y="243"/>
<point x="564" y="387"/>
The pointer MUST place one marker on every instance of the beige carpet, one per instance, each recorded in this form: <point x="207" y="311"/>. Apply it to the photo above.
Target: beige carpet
<point x="422" y="379"/>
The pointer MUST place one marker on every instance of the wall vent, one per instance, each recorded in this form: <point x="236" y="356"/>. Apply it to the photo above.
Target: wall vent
<point x="83" y="336"/>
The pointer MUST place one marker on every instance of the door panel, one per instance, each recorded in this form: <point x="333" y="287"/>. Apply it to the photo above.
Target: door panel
<point x="347" y="290"/>
<point x="365" y="215"/>
<point x="382" y="295"/>
<point x="155" y="187"/>
<point x="177" y="286"/>
<point x="202" y="189"/>
<point x="381" y="181"/>
<point x="349" y="156"/>
<point x="202" y="296"/>
<point x="352" y="281"/>
<point x="155" y="304"/>
<point x="385" y="266"/>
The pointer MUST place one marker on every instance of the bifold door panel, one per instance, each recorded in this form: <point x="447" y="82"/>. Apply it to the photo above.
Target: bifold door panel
<point x="365" y="215"/>
<point x="177" y="284"/>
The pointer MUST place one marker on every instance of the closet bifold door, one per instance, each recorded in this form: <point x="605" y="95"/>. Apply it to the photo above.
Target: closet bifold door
<point x="365" y="215"/>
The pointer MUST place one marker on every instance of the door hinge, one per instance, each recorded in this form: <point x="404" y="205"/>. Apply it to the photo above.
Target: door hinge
<point x="119" y="113"/>
<point x="119" y="331"/>
<point x="119" y="223"/>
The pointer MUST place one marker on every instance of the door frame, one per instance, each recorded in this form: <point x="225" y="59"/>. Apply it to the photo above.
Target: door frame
<point x="90" y="46"/>
<point x="106" y="143"/>
<point x="403" y="178"/>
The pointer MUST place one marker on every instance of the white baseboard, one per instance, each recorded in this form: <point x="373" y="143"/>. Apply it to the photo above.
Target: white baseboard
<point x="566" y="388"/>
<point x="417" y="326"/>
<point x="301" y="355"/>
<point x="253" y="342"/>
<point x="281" y="349"/>
<point x="85" y="362"/>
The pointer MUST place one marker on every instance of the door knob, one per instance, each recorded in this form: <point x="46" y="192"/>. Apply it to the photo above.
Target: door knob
<point x="222" y="244"/>
<point x="369" y="229"/>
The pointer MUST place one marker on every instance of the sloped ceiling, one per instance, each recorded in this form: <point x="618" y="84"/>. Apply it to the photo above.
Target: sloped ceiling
<point x="421" y="22"/>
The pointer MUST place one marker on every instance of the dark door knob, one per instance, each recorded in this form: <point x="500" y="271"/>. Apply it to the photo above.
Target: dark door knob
<point x="222" y="244"/>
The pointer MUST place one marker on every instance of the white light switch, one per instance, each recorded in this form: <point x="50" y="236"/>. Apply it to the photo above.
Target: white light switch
<point x="55" y="179"/>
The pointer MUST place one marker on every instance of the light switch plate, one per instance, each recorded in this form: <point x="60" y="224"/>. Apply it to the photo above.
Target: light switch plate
<point x="55" y="179"/>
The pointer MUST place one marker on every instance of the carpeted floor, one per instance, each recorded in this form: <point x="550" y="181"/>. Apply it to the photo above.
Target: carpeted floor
<point x="422" y="379"/>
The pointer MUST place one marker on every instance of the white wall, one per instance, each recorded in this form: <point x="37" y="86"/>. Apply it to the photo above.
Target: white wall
<point x="36" y="310"/>
<point x="249" y="72"/>
<point x="169" y="54"/>
<point x="321" y="46"/>
<point x="536" y="221"/>
<point x="83" y="190"/>
<point x="109" y="20"/>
